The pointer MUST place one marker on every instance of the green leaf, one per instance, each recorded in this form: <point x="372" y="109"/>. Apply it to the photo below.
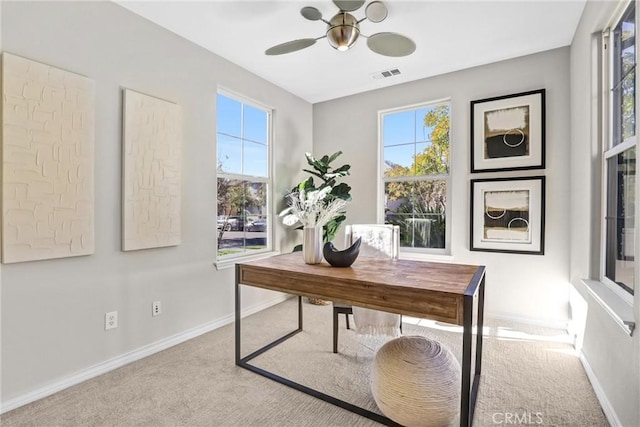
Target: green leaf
<point x="338" y="220"/>
<point x="317" y="164"/>
<point x="306" y="185"/>
<point x="343" y="168"/>
<point x="336" y="175"/>
<point x="334" y="156"/>
<point x="341" y="191"/>
<point x="314" y="174"/>
<point x="310" y="158"/>
<point x="330" y="182"/>
<point x="331" y="229"/>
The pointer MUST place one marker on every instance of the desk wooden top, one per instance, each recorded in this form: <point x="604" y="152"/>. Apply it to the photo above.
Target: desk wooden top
<point x="421" y="289"/>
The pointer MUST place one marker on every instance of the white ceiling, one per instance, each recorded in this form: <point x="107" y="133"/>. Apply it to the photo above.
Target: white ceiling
<point x="450" y="35"/>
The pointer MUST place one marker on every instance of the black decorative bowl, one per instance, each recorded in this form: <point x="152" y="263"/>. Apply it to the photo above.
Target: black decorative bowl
<point x="341" y="258"/>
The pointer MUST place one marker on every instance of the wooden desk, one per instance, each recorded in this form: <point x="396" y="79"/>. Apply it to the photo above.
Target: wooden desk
<point x="446" y="292"/>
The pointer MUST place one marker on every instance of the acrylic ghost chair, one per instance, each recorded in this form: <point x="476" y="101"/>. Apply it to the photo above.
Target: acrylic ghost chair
<point x="378" y="240"/>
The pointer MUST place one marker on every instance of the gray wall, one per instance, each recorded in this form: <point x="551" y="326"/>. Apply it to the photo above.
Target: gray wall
<point x="53" y="311"/>
<point x="520" y="286"/>
<point x="612" y="355"/>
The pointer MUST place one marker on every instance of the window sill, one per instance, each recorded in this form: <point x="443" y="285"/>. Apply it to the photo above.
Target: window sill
<point x="426" y="257"/>
<point x="619" y="310"/>
<point x="231" y="262"/>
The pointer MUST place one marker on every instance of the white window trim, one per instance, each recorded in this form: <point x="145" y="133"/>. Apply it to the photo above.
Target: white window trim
<point x="422" y="254"/>
<point x="608" y="152"/>
<point x="231" y="261"/>
<point x="226" y="261"/>
<point x="619" y="311"/>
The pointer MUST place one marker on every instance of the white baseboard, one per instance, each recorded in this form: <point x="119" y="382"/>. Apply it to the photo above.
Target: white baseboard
<point x="608" y="410"/>
<point x="132" y="356"/>
<point x="534" y="321"/>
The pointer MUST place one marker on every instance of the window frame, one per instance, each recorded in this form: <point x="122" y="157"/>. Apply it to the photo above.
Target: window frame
<point x="609" y="150"/>
<point x="222" y="260"/>
<point x="380" y="202"/>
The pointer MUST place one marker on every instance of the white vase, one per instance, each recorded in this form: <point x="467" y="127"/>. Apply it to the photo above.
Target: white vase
<point x="312" y="245"/>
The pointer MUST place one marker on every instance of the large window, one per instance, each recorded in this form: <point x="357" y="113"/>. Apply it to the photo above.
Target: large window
<point x="620" y="154"/>
<point x="243" y="177"/>
<point x="415" y="174"/>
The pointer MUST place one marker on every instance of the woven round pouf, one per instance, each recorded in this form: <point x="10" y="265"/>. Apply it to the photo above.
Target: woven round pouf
<point x="416" y="382"/>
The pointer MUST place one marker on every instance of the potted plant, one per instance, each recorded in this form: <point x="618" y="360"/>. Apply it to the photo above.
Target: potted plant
<point x="312" y="209"/>
<point x="322" y="185"/>
<point x="329" y="178"/>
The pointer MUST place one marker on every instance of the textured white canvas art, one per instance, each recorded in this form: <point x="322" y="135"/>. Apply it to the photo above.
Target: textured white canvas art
<point x="152" y="170"/>
<point x="47" y="162"/>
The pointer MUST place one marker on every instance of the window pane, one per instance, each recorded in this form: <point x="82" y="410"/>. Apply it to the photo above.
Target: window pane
<point x="620" y="222"/>
<point x="432" y="158"/>
<point x="398" y="160"/>
<point x="623" y="79"/>
<point x="255" y="124"/>
<point x="242" y="216"/>
<point x="430" y="202"/>
<point x="398" y="128"/>
<point x="418" y="207"/>
<point x="229" y="113"/>
<point x="437" y="119"/>
<point x="422" y="131"/>
<point x="628" y="106"/>
<point x="429" y="152"/>
<point x="255" y="159"/>
<point x="229" y="154"/>
<point x="625" y="34"/>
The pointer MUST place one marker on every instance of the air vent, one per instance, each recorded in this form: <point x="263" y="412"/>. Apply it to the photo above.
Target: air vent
<point x="386" y="73"/>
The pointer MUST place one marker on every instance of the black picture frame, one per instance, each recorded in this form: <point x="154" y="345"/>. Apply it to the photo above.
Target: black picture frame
<point x="508" y="132"/>
<point x="518" y="225"/>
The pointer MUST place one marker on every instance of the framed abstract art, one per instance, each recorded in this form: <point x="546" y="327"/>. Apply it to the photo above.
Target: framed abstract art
<point x="507" y="215"/>
<point x="508" y="132"/>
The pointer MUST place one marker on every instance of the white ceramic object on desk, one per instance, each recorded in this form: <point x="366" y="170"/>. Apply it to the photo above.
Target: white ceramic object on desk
<point x="312" y="245"/>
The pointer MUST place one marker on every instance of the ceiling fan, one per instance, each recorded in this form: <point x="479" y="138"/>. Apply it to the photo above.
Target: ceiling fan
<point x="343" y="30"/>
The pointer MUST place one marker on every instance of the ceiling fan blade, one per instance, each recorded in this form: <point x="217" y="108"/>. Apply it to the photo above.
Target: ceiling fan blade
<point x="311" y="13"/>
<point x="289" y="47"/>
<point x="376" y="11"/>
<point x="348" y="5"/>
<point x="391" y="44"/>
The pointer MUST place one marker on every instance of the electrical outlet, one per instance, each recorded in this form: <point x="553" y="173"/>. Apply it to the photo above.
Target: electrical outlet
<point x="156" y="309"/>
<point x="110" y="320"/>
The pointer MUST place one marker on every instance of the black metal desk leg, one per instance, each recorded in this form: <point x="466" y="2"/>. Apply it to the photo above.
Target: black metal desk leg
<point x="470" y="383"/>
<point x="299" y="312"/>
<point x="242" y="361"/>
<point x="465" y="394"/>
<point x="237" y="325"/>
<point x="480" y="331"/>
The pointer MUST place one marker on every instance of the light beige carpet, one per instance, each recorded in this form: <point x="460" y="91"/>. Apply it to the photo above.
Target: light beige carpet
<point x="530" y="376"/>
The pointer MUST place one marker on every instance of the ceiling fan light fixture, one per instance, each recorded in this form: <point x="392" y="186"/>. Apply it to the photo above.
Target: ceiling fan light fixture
<point x="391" y="44"/>
<point x="376" y="11"/>
<point x="343" y="31"/>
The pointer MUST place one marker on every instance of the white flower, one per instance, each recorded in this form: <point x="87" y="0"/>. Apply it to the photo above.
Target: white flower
<point x="311" y="208"/>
